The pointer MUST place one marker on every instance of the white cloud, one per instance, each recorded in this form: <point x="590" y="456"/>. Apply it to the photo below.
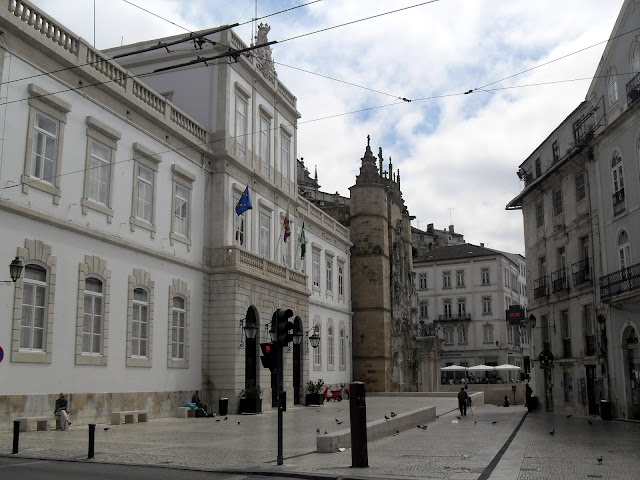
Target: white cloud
<point x="458" y="152"/>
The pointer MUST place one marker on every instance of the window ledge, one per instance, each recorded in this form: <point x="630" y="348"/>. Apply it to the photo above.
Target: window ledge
<point x="138" y="222"/>
<point x="139" y="362"/>
<point x="30" y="357"/>
<point x="177" y="363"/>
<point x="176" y="237"/>
<point x="38" y="184"/>
<point x="88" y="359"/>
<point x="98" y="207"/>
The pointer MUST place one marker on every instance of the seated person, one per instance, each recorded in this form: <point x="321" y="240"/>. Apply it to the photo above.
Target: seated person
<point x="196" y="399"/>
<point x="506" y="401"/>
<point x="62" y="405"/>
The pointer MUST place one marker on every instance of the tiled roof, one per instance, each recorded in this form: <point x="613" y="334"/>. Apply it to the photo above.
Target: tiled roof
<point x="455" y="252"/>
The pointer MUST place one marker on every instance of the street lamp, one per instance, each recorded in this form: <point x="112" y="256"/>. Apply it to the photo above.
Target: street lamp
<point x="15" y="271"/>
<point x="250" y="330"/>
<point x="314" y="339"/>
<point x="532" y="320"/>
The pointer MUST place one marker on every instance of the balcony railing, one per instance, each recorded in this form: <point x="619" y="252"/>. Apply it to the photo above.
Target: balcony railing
<point x="540" y="288"/>
<point x="566" y="347"/>
<point x="589" y="345"/>
<point x="559" y="280"/>
<point x="581" y="272"/>
<point x="619" y="205"/>
<point x="622" y="281"/>
<point x="633" y="89"/>
<point x="454" y="318"/>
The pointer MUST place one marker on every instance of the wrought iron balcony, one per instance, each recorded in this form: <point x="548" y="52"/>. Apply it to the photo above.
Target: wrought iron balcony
<point x="566" y="347"/>
<point x="622" y="281"/>
<point x="589" y="345"/>
<point x="540" y="287"/>
<point x="581" y="272"/>
<point x="454" y="318"/>
<point x="619" y="204"/>
<point x="633" y="89"/>
<point x="559" y="280"/>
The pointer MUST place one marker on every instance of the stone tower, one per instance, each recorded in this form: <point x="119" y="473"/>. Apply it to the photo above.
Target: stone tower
<point x="389" y="345"/>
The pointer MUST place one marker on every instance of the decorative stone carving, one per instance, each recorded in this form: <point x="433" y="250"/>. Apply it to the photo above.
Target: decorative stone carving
<point x="263" y="55"/>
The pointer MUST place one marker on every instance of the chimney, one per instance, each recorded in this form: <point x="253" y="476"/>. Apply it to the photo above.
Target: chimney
<point x="482" y="245"/>
<point x="430" y="228"/>
<point x="450" y="228"/>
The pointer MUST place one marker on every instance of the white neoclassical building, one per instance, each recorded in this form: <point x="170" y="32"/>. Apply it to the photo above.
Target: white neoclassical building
<point x="139" y="276"/>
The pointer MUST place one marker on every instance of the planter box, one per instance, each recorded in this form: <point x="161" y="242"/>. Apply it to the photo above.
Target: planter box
<point x="314" y="399"/>
<point x="250" y="405"/>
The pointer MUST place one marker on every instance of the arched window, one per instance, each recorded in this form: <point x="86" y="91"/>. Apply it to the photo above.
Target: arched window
<point x="92" y="318"/>
<point x="617" y="180"/>
<point x="34" y="308"/>
<point x="178" y="328"/>
<point x="317" y="357"/>
<point x="624" y="250"/>
<point x="635" y="58"/>
<point x="343" y="348"/>
<point x="330" y="346"/>
<point x="612" y="87"/>
<point x="140" y="323"/>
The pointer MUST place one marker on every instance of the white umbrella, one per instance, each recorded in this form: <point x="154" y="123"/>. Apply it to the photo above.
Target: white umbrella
<point x="454" y="368"/>
<point x="480" y="368"/>
<point x="507" y="366"/>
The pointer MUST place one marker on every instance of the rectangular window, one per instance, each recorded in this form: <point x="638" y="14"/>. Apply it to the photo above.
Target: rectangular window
<point x="485" y="276"/>
<point x="581" y="191"/>
<point x="447" y="309"/>
<point x="265" y="147"/>
<point x="241" y="127"/>
<point x="285" y="156"/>
<point x="539" y="215"/>
<point x="422" y="281"/>
<point x="92" y="317"/>
<point x="330" y="346"/>
<point x="343" y="349"/>
<point x="329" y="275"/>
<point x="506" y="278"/>
<point x="34" y="308"/>
<point x="315" y="268"/>
<point x="538" y="167"/>
<point x="448" y="336"/>
<point x="99" y="173"/>
<point x="460" y="278"/>
<point x="424" y="309"/>
<point x="446" y="279"/>
<point x="487" y="334"/>
<point x="340" y="281"/>
<point x="178" y="329"/>
<point x="545" y="329"/>
<point x="556" y="151"/>
<point x="265" y="234"/>
<point x="557" y="201"/>
<point x="486" y="305"/>
<point x="317" y="353"/>
<point x="566" y="332"/>
<point x="181" y="211"/>
<point x="239" y="228"/>
<point x="462" y="335"/>
<point x="144" y="200"/>
<point x="140" y="324"/>
<point x="462" y="308"/>
<point x="45" y="148"/>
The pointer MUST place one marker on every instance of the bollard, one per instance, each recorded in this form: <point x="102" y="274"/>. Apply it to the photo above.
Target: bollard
<point x="16" y="435"/>
<point x="92" y="438"/>
<point x="358" y="418"/>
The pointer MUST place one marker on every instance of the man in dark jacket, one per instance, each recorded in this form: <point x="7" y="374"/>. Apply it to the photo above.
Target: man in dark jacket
<point x="196" y="399"/>
<point x="62" y="405"/>
<point x="463" y="397"/>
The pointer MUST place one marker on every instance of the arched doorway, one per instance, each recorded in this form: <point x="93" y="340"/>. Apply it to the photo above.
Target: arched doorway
<point x="631" y="359"/>
<point x="297" y="364"/>
<point x="251" y="349"/>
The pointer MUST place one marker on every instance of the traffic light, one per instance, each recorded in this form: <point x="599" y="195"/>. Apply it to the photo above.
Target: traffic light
<point x="515" y="315"/>
<point x="283" y="325"/>
<point x="268" y="357"/>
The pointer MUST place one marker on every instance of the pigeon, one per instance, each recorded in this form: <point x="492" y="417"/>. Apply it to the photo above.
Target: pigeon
<point x="338" y="421"/>
<point x="225" y="418"/>
<point x="424" y="427"/>
<point x="217" y="419"/>
<point x="459" y="418"/>
<point x="238" y="423"/>
<point x="599" y="460"/>
<point x="106" y="428"/>
<point x="325" y="432"/>
<point x="386" y="418"/>
<point x="589" y="422"/>
<point x="569" y="416"/>
<point x="394" y="414"/>
<point x="475" y="422"/>
<point x="494" y="422"/>
<point x="552" y="432"/>
<point x="318" y="431"/>
<point x="418" y="426"/>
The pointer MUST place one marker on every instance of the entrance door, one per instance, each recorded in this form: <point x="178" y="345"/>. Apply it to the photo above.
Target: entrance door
<point x="591" y="389"/>
<point x="548" y="388"/>
<point x="633" y="377"/>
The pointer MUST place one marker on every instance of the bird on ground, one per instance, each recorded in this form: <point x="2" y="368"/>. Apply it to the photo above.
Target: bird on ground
<point x="494" y="422"/>
<point x="318" y="431"/>
<point x="386" y="418"/>
<point x="589" y="422"/>
<point x="238" y="423"/>
<point x="419" y="426"/>
<point x="325" y="432"/>
<point x="569" y="416"/>
<point x="599" y="460"/>
<point x="106" y="428"/>
<point x="424" y="427"/>
<point x="217" y="419"/>
<point x="394" y="414"/>
<point x="458" y="417"/>
<point x="225" y="418"/>
<point x="475" y="422"/>
<point x="552" y="432"/>
<point x="338" y="421"/>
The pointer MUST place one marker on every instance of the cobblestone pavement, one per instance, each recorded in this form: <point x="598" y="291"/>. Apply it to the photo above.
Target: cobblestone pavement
<point x="450" y="448"/>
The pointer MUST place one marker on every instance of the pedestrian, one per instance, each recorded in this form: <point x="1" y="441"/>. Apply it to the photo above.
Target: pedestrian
<point x="506" y="402"/>
<point x="462" y="401"/>
<point x="62" y="405"/>
<point x="527" y="394"/>
<point x="199" y="405"/>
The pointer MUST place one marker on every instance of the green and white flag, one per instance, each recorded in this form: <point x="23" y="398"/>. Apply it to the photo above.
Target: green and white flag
<point x="303" y="243"/>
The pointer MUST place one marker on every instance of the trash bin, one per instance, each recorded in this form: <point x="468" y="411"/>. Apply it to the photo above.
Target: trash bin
<point x="532" y="404"/>
<point x="223" y="406"/>
<point x="605" y="410"/>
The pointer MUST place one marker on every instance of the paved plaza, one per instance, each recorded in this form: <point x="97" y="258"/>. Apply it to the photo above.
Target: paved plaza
<point x="489" y="443"/>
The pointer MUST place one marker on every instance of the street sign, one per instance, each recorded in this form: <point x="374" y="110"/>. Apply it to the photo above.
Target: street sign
<point x="546" y="358"/>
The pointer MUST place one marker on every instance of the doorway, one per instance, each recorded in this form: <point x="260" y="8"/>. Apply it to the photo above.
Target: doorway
<point x="591" y="389"/>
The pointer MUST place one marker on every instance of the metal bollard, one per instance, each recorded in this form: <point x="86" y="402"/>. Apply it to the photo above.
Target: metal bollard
<point x="92" y="438"/>
<point x="358" y="417"/>
<point x="16" y="435"/>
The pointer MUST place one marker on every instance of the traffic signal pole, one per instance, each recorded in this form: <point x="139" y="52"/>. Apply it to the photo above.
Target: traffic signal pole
<point x="279" y="386"/>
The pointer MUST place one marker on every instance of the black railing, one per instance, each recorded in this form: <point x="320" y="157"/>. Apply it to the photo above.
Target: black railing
<point x="581" y="272"/>
<point x="566" y="347"/>
<point x="619" y="205"/>
<point x="454" y="318"/>
<point x="589" y="345"/>
<point x="540" y="287"/>
<point x="633" y="89"/>
<point x="622" y="281"/>
<point x="559" y="280"/>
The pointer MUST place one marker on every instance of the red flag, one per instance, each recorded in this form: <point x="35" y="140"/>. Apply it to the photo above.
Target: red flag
<point x="285" y="225"/>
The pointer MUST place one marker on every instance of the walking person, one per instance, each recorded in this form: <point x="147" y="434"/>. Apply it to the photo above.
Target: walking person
<point x="62" y="405"/>
<point x="527" y="395"/>
<point x="463" y="398"/>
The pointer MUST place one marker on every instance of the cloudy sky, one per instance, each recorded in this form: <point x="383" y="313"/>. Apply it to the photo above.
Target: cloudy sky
<point x="457" y="154"/>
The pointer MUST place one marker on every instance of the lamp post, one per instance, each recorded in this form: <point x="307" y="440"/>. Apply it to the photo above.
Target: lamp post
<point x="250" y="330"/>
<point x="15" y="271"/>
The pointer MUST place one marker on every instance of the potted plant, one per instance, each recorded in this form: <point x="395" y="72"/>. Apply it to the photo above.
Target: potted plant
<point x="251" y="398"/>
<point x="314" y="392"/>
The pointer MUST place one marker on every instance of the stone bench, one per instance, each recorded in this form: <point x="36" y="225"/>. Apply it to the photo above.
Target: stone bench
<point x="186" y="412"/>
<point x="133" y="416"/>
<point x="40" y="424"/>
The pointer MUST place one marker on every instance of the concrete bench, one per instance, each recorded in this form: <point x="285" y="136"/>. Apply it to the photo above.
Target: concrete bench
<point x="186" y="412"/>
<point x="133" y="416"/>
<point x="40" y="424"/>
